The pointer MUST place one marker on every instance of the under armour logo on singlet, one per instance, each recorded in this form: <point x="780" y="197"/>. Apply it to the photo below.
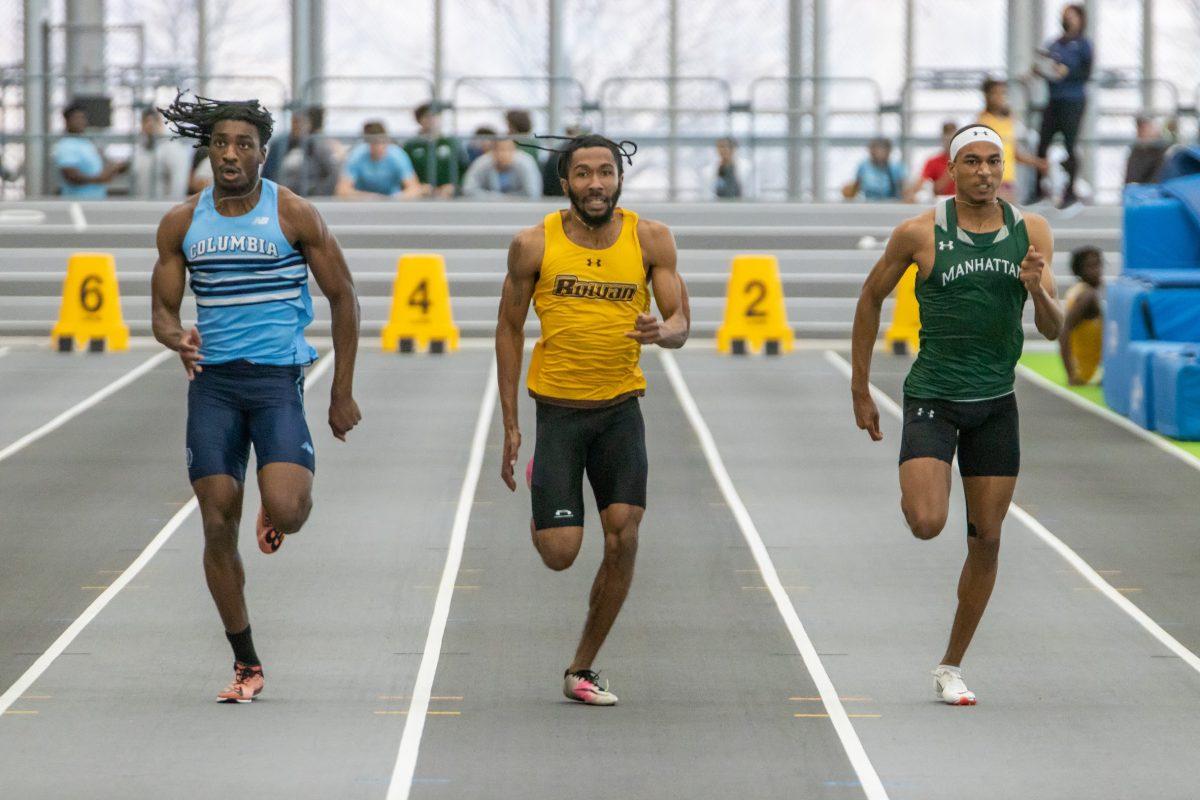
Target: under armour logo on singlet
<point x="589" y="262"/>
<point x="945" y="245"/>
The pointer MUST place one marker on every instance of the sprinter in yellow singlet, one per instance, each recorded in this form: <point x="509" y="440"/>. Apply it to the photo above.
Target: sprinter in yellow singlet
<point x="587" y="269"/>
<point x="1080" y="342"/>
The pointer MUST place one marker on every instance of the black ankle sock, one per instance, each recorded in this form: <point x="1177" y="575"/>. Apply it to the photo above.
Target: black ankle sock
<point x="243" y="647"/>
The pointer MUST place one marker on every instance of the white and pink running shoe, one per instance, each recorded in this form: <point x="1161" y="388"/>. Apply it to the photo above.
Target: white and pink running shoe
<point x="949" y="686"/>
<point x="584" y="686"/>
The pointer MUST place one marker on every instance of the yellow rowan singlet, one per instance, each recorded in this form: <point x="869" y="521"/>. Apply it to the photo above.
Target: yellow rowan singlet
<point x="587" y="300"/>
<point x="1086" y="339"/>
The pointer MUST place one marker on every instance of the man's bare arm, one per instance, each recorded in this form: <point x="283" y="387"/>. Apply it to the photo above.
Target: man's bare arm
<point x="304" y="226"/>
<point x="658" y="244"/>
<point x="524" y="263"/>
<point x="166" y="289"/>
<point x="881" y="281"/>
<point x="1038" y="275"/>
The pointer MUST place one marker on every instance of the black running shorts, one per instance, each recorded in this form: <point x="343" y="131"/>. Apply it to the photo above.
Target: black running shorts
<point x="985" y="432"/>
<point x="609" y="442"/>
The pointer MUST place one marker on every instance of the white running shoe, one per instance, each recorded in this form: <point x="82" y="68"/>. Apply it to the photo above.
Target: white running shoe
<point x="949" y="686"/>
<point x="584" y="686"/>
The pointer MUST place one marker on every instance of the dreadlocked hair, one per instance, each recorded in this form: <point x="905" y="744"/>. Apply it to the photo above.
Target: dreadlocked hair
<point x="624" y="149"/>
<point x="197" y="120"/>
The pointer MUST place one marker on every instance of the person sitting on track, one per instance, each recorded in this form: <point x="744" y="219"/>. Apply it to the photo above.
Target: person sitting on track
<point x="1080" y="342"/>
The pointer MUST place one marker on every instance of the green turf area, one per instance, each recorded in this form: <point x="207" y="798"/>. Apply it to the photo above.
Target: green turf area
<point x="1049" y="366"/>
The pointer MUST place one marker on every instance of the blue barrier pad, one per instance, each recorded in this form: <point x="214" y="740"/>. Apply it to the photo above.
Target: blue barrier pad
<point x="1165" y="278"/>
<point x="1176" y="390"/>
<point x="1124" y="323"/>
<point x="1142" y="357"/>
<point x="1160" y="231"/>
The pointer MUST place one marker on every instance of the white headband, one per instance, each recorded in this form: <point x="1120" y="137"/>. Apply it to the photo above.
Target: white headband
<point x="975" y="133"/>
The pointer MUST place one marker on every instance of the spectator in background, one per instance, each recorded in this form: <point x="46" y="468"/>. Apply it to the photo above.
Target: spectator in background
<point x="1067" y="67"/>
<point x="376" y="167"/>
<point x="551" y="183"/>
<point x="728" y="186"/>
<point x="301" y="160"/>
<point x="936" y="171"/>
<point x="440" y="160"/>
<point x="308" y="167"/>
<point x="520" y="129"/>
<point x="83" y="174"/>
<point x="877" y="178"/>
<point x="202" y="176"/>
<point x="506" y="171"/>
<point x="1147" y="154"/>
<point x="162" y="166"/>
<point x="485" y="139"/>
<point x="1081" y="340"/>
<point x="997" y="115"/>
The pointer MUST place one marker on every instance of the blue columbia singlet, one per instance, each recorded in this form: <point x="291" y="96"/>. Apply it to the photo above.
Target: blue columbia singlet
<point x="251" y="285"/>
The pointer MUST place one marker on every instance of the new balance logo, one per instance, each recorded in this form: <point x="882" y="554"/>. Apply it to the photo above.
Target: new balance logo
<point x="261" y="220"/>
<point x="945" y="245"/>
<point x="563" y="513"/>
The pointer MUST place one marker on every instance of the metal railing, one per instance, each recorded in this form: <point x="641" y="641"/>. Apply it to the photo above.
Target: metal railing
<point x="816" y="114"/>
<point x="798" y="133"/>
<point x="701" y="105"/>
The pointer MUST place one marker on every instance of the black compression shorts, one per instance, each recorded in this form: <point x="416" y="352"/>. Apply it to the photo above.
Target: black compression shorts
<point x="985" y="432"/>
<point x="609" y="442"/>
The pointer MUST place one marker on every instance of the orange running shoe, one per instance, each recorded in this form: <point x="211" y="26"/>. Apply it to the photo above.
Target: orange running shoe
<point x="246" y="684"/>
<point x="269" y="539"/>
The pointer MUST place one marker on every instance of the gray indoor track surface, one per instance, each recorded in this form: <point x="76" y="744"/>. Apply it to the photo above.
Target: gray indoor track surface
<point x="1076" y="700"/>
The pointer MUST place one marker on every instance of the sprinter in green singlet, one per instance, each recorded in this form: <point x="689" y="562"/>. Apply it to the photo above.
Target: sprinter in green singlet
<point x="978" y="259"/>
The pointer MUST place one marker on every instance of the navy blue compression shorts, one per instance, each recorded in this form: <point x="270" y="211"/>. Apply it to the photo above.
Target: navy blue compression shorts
<point x="238" y="403"/>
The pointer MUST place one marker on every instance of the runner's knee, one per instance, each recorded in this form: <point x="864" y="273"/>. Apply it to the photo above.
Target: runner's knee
<point x="925" y="524"/>
<point x="289" y="516"/>
<point x="558" y="547"/>
<point x="924" y="519"/>
<point x="621" y="544"/>
<point x="983" y="551"/>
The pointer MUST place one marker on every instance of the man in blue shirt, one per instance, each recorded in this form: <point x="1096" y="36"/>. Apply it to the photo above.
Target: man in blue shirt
<point x="83" y="174"/>
<point x="377" y="167"/>
<point x="1070" y="67"/>
<point x="877" y="178"/>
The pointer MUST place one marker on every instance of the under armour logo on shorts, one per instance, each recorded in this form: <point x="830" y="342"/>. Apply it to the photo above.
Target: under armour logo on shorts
<point x="563" y="513"/>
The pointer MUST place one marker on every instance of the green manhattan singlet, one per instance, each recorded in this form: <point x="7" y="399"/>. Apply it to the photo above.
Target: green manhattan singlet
<point x="971" y="304"/>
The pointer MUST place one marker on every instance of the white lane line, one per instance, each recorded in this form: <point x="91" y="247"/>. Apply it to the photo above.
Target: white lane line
<point x="867" y="777"/>
<point x="1110" y="415"/>
<point x="64" y="640"/>
<point x="77" y="218"/>
<point x="4" y="351"/>
<point x="1058" y="545"/>
<point x="84" y="405"/>
<point x="414" y="723"/>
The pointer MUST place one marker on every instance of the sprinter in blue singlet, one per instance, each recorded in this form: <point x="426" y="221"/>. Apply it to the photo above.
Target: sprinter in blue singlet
<point x="245" y="246"/>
